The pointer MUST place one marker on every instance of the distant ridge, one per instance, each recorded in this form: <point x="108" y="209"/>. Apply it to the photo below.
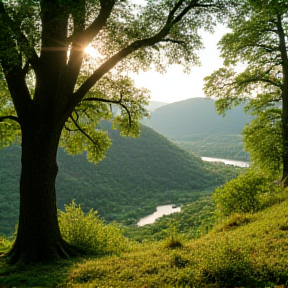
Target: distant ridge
<point x="196" y="116"/>
<point x="153" y="105"/>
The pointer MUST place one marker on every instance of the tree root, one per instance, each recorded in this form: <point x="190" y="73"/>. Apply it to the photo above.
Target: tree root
<point x="59" y="250"/>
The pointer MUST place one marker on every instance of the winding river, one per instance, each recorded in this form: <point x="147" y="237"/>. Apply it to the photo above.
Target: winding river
<point x="227" y="161"/>
<point x="161" y="210"/>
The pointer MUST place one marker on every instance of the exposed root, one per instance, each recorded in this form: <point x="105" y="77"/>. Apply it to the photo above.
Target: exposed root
<point x="60" y="250"/>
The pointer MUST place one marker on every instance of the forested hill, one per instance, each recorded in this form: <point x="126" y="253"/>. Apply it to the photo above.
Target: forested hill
<point x="135" y="171"/>
<point x="136" y="174"/>
<point x="184" y="120"/>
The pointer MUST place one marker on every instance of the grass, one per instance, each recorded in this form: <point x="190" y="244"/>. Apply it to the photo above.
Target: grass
<point x="244" y="251"/>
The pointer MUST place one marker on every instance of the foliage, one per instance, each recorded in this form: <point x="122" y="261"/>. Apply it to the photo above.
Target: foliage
<point x="5" y="244"/>
<point x="248" y="193"/>
<point x="88" y="232"/>
<point x="263" y="139"/>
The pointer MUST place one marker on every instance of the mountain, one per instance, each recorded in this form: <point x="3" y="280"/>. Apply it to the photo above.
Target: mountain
<point x="137" y="175"/>
<point x="196" y="116"/>
<point x="195" y="125"/>
<point x="153" y="105"/>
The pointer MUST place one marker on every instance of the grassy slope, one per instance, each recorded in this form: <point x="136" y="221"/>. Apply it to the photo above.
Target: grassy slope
<point x="245" y="251"/>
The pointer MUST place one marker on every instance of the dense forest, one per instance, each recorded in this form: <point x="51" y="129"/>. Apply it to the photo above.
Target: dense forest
<point x="137" y="175"/>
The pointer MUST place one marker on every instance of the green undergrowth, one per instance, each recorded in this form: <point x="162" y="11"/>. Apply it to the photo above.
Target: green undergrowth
<point x="5" y="244"/>
<point x="243" y="251"/>
<point x="89" y="232"/>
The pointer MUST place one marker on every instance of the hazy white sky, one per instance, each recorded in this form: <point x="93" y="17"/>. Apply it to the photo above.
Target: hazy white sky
<point x="175" y="85"/>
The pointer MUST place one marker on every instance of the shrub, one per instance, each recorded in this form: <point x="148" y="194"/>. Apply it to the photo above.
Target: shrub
<point x="5" y="244"/>
<point x="89" y="232"/>
<point x="173" y="241"/>
<point x="248" y="193"/>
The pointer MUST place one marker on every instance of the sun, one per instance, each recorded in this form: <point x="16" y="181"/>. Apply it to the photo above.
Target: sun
<point x="92" y="52"/>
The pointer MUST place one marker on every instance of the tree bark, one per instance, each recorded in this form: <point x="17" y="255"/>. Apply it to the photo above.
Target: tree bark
<point x="285" y="137"/>
<point x="38" y="237"/>
<point x="284" y="60"/>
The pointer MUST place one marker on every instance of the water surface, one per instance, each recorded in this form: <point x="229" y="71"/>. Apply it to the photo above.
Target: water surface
<point x="161" y="210"/>
<point x="227" y="161"/>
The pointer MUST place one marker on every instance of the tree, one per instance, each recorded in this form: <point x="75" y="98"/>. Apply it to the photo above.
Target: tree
<point x="57" y="94"/>
<point x="256" y="72"/>
<point x="263" y="139"/>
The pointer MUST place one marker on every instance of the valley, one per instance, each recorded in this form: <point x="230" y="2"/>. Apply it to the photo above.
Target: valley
<point x="137" y="175"/>
<point x="194" y="124"/>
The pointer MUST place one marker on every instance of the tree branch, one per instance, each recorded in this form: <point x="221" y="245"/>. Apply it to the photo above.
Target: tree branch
<point x="23" y="43"/>
<point x="172" y="41"/>
<point x="81" y="40"/>
<point x="173" y="11"/>
<point x="251" y="80"/>
<point x="14" y="118"/>
<point x="266" y="48"/>
<point x="119" y="102"/>
<point x="83" y="132"/>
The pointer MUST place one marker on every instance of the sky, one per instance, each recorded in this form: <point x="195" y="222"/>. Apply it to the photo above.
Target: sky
<point x="176" y="85"/>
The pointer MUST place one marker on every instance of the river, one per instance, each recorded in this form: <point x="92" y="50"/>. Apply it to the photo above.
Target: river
<point x="227" y="161"/>
<point x="168" y="209"/>
<point x="160" y="211"/>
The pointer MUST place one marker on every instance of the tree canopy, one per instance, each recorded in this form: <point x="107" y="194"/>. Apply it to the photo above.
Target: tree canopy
<point x="125" y="36"/>
<point x="255" y="72"/>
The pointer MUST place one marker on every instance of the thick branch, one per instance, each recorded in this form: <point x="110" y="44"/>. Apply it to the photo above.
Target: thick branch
<point x="11" y="63"/>
<point x="173" y="11"/>
<point x="22" y="41"/>
<point x="14" y="118"/>
<point x="81" y="40"/>
<point x="172" y="41"/>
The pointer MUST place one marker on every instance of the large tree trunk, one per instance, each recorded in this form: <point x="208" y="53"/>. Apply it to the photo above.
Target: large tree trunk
<point x="285" y="138"/>
<point x="38" y="238"/>
<point x="284" y="88"/>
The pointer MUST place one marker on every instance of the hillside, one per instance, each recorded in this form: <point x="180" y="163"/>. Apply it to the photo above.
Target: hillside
<point x="195" y="125"/>
<point x="137" y="175"/>
<point x="244" y="251"/>
<point x="185" y="119"/>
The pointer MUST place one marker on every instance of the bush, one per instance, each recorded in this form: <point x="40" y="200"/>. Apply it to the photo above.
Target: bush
<point x="248" y="193"/>
<point x="5" y="244"/>
<point x="88" y="232"/>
